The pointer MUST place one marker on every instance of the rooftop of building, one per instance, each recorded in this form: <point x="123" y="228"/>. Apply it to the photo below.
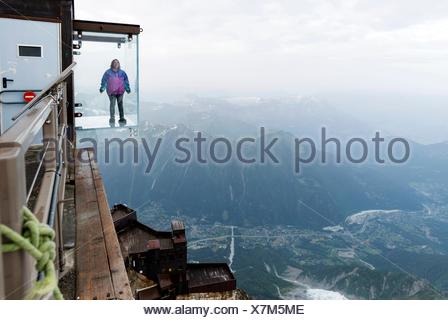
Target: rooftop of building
<point x="140" y="237"/>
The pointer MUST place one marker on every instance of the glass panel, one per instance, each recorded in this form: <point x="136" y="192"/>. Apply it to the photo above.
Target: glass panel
<point x="97" y="52"/>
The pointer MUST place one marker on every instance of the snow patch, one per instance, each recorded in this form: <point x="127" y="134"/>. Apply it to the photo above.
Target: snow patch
<point x="304" y="291"/>
<point x="320" y="294"/>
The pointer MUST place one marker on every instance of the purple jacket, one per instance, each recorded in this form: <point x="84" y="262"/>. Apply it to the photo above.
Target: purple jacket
<point x="115" y="82"/>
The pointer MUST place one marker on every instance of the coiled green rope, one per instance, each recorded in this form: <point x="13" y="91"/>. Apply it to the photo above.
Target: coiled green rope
<point x="38" y="241"/>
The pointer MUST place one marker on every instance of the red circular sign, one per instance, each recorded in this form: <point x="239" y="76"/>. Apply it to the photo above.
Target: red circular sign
<point x="28" y="96"/>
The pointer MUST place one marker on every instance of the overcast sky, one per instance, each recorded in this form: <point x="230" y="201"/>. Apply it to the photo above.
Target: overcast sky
<point x="296" y="46"/>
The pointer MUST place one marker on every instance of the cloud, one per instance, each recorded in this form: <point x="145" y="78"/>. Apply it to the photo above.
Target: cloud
<point x="297" y="45"/>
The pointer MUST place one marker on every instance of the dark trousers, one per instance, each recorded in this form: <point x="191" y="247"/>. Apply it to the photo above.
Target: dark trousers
<point x="119" y="100"/>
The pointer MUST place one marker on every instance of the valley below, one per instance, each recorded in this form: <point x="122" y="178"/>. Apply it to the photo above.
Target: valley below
<point x="365" y="259"/>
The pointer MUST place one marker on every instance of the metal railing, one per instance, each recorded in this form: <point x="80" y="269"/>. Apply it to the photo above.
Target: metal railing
<point x="45" y="116"/>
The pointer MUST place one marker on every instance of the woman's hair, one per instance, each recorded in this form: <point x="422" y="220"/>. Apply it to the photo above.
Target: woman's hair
<point x="112" y="63"/>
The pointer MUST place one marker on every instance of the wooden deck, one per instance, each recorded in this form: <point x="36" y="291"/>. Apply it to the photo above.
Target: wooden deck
<point x="100" y="270"/>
